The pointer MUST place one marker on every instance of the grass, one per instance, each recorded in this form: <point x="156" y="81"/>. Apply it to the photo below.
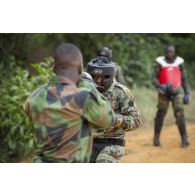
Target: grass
<point x="146" y="100"/>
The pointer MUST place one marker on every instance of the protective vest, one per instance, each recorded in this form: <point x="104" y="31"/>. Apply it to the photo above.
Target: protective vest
<point x="170" y="72"/>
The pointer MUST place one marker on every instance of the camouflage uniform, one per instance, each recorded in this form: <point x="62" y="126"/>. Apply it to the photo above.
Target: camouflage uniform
<point x="64" y="116"/>
<point x="122" y="102"/>
<point x="119" y="75"/>
<point x="176" y="99"/>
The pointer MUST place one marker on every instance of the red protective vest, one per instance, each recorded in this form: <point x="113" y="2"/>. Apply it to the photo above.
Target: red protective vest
<point x="170" y="73"/>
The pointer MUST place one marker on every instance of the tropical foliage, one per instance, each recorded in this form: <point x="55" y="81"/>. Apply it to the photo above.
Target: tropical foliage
<point x="23" y="68"/>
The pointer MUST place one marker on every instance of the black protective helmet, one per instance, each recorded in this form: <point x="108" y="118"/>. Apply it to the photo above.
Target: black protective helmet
<point x="104" y="67"/>
<point x="105" y="51"/>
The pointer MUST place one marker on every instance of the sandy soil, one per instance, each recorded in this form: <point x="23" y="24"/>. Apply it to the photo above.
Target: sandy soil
<point x="139" y="146"/>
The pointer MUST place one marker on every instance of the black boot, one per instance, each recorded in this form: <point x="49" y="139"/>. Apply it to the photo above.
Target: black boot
<point x="156" y="141"/>
<point x="182" y="130"/>
<point x="158" y="126"/>
<point x="184" y="143"/>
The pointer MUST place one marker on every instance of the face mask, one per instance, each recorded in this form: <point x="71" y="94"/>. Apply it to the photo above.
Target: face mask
<point x="106" y="84"/>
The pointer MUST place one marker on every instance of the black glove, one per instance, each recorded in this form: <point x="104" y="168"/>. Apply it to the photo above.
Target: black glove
<point x="119" y="121"/>
<point x="170" y="89"/>
<point x="161" y="88"/>
<point x="186" y="99"/>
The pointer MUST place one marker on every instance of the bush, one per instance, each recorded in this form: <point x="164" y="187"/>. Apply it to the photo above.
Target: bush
<point x="135" y="52"/>
<point x="16" y="132"/>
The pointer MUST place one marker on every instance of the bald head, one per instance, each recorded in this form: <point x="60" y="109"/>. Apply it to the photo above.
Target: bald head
<point x="68" y="61"/>
<point x="170" y="51"/>
<point x="68" y="56"/>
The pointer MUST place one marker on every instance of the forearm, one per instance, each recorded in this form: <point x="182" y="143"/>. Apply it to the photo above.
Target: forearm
<point x="185" y="87"/>
<point x="132" y="121"/>
<point x="184" y="79"/>
<point x="107" y="116"/>
<point x="99" y="113"/>
<point x="155" y="80"/>
<point x="130" y="113"/>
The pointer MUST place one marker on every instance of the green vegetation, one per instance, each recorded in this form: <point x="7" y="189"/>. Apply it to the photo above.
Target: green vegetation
<point x="16" y="135"/>
<point x="134" y="52"/>
<point x="21" y="72"/>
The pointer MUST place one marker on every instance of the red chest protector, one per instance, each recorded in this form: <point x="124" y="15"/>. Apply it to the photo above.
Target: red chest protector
<point x="170" y="73"/>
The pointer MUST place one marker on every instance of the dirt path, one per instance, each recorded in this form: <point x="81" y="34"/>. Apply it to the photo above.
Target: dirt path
<point x="139" y="146"/>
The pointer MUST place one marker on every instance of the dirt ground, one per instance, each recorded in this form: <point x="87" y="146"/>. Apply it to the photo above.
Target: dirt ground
<point x="139" y="147"/>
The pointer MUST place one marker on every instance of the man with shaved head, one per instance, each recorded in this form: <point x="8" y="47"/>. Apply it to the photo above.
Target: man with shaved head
<point x="169" y="79"/>
<point x="68" y="60"/>
<point x="64" y="113"/>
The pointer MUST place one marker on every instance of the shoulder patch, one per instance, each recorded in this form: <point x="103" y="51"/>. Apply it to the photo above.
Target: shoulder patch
<point x="125" y="89"/>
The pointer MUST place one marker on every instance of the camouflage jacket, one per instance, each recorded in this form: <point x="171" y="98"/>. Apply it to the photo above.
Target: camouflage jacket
<point x="122" y="102"/>
<point x="64" y="117"/>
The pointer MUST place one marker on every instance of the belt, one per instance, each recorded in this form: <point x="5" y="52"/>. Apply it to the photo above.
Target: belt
<point x="111" y="141"/>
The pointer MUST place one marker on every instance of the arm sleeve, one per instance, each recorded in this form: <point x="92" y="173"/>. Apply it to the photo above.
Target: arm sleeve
<point x="90" y="85"/>
<point x="156" y="70"/>
<point x="130" y="112"/>
<point x="87" y="83"/>
<point x="98" y="112"/>
<point x="184" y="79"/>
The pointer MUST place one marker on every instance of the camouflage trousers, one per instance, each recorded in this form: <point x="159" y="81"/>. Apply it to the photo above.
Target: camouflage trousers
<point x="163" y="105"/>
<point x="110" y="154"/>
<point x="178" y="108"/>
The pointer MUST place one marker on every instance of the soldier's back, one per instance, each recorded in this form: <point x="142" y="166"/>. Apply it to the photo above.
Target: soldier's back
<point x="56" y="110"/>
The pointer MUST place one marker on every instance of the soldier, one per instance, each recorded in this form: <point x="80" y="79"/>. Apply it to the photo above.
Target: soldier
<point x="63" y="114"/>
<point x="106" y="52"/>
<point x="169" y="78"/>
<point x="108" y="145"/>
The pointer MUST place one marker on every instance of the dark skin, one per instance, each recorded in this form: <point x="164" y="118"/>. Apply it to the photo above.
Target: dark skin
<point x="98" y="79"/>
<point x="170" y="55"/>
<point x="68" y="62"/>
<point x="170" y="52"/>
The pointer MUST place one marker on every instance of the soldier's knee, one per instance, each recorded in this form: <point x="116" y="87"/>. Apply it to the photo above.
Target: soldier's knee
<point x="110" y="154"/>
<point x="106" y="158"/>
<point x="161" y="113"/>
<point x="179" y="113"/>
